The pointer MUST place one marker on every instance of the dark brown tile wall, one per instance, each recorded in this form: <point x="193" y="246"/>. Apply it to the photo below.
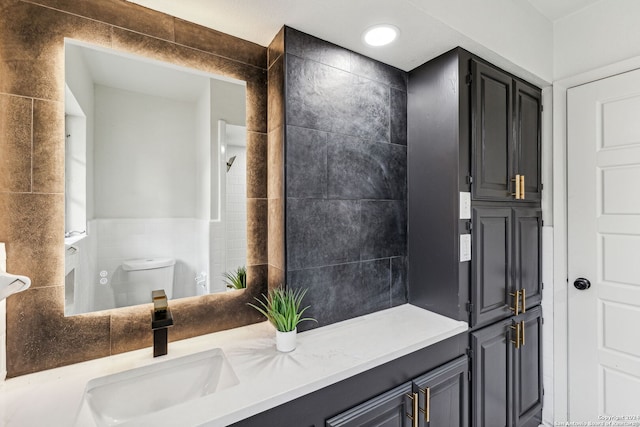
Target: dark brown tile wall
<point x="256" y="219"/>
<point x="48" y="155"/>
<point x="32" y="168"/>
<point x="275" y="161"/>
<point x="31" y="225"/>
<point x="39" y="315"/>
<point x="257" y="166"/>
<point x="118" y="13"/>
<point x="205" y="39"/>
<point x="15" y="143"/>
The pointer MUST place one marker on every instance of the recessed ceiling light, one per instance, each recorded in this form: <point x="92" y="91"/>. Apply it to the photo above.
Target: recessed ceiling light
<point x="380" y="35"/>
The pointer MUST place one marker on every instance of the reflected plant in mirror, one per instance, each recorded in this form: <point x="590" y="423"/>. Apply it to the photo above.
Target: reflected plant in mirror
<point x="236" y="279"/>
<point x="155" y="179"/>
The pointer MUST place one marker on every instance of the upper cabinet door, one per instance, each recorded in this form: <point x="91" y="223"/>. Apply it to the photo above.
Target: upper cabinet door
<point x="492" y="136"/>
<point x="527" y="120"/>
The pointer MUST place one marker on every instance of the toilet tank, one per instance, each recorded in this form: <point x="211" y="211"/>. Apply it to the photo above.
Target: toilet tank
<point x="145" y="275"/>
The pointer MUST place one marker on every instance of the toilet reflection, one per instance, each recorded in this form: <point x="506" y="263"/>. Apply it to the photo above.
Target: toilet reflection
<point x="139" y="277"/>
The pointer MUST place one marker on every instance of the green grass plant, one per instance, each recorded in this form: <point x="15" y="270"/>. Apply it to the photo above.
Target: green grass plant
<point x="236" y="279"/>
<point x="282" y="308"/>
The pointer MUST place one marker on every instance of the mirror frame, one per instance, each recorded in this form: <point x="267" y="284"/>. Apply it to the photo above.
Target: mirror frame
<point x="39" y="336"/>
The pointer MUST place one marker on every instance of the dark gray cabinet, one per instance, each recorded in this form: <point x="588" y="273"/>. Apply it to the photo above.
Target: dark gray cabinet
<point x="444" y="395"/>
<point x="528" y="139"/>
<point x="474" y="135"/>
<point x="506" y="362"/>
<point x="507" y="267"/>
<point x="491" y="375"/>
<point x="506" y="136"/>
<point x="387" y="410"/>
<point x="471" y="129"/>
<point x="438" y="398"/>
<point x="492" y="117"/>
<point x="527" y="367"/>
<point x="492" y="279"/>
<point x="527" y="265"/>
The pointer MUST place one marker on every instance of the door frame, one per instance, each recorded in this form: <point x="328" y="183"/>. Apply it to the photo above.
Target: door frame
<point x="560" y="237"/>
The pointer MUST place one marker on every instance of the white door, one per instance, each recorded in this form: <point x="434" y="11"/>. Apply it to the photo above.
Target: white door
<point x="604" y="247"/>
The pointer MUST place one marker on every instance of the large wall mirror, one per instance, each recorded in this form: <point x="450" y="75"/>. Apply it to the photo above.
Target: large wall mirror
<point x="155" y="180"/>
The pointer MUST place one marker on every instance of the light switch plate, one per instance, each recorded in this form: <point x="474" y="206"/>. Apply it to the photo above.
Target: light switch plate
<point x="465" y="247"/>
<point x="465" y="205"/>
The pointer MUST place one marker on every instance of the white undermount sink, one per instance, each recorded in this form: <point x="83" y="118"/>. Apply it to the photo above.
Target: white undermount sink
<point x="121" y="398"/>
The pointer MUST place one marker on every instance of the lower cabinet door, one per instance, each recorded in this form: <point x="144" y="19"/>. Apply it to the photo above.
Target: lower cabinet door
<point x="444" y="395"/>
<point x="507" y="372"/>
<point x="491" y="375"/>
<point x="527" y="396"/>
<point x="387" y="410"/>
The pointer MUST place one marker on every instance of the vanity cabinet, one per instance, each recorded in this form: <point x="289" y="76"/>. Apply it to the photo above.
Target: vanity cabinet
<point x="506" y="366"/>
<point x="437" y="398"/>
<point x="507" y="271"/>
<point x="506" y="136"/>
<point x="380" y="394"/>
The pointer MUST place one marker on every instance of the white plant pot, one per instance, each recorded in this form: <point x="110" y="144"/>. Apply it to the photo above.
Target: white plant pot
<point x="286" y="341"/>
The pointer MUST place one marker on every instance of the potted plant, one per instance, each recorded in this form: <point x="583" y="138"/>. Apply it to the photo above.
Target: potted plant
<point x="236" y="279"/>
<point x="282" y="308"/>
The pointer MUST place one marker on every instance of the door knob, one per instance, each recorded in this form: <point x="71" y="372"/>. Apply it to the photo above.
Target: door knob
<point x="582" y="284"/>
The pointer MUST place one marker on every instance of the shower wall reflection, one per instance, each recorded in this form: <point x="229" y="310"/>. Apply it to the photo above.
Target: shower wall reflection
<point x="147" y="189"/>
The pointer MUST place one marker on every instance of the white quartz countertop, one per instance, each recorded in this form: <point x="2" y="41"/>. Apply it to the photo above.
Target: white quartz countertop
<point x="267" y="378"/>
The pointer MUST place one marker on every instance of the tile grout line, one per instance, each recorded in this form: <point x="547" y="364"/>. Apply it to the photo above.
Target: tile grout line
<point x="36" y="98"/>
<point x="390" y="283"/>
<point x="32" y="137"/>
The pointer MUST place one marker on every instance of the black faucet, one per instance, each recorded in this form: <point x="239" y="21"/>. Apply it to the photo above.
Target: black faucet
<point x="161" y="320"/>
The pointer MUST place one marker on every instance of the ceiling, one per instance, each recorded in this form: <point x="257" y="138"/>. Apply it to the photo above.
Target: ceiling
<point x="558" y="9"/>
<point x="422" y="37"/>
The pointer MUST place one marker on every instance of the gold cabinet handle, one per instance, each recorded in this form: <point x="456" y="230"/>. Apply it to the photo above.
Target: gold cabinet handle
<point x="523" y="295"/>
<point x="517" y="328"/>
<point x="516" y="302"/>
<point x="522" y="332"/>
<point x="413" y="416"/>
<point x="522" y="187"/>
<point x="427" y="404"/>
<point x="517" y="186"/>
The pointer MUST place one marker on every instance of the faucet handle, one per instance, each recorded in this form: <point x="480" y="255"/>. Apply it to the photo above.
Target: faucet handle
<point x="157" y="294"/>
<point x="160" y="302"/>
